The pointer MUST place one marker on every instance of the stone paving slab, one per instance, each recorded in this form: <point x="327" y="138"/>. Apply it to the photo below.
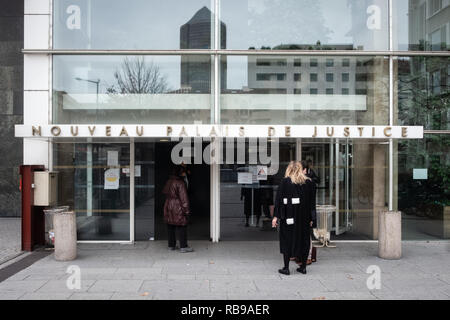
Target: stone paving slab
<point x="10" y="241"/>
<point x="234" y="270"/>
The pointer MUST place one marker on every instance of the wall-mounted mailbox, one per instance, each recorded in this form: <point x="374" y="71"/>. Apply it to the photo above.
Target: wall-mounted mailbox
<point x="45" y="188"/>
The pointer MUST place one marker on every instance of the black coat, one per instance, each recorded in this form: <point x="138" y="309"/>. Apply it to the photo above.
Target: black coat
<point x="295" y="238"/>
<point x="246" y="194"/>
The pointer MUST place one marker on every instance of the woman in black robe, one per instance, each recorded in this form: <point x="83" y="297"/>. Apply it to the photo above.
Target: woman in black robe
<point x="293" y="214"/>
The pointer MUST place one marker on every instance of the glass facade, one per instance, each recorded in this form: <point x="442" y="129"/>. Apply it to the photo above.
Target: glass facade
<point x="423" y="88"/>
<point x="300" y="62"/>
<point x="131" y="89"/>
<point x="304" y="90"/>
<point x="424" y="187"/>
<point x="132" y="24"/>
<point x="306" y="24"/>
<point x="421" y="25"/>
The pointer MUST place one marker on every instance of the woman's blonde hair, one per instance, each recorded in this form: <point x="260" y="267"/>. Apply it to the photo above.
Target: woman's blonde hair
<point x="295" y="172"/>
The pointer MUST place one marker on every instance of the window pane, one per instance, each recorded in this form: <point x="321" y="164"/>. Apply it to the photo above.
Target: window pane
<point x="423" y="92"/>
<point x="423" y="193"/>
<point x="421" y="25"/>
<point x="98" y="191"/>
<point x="131" y="89"/>
<point x="329" y="77"/>
<point x="133" y="24"/>
<point x="246" y="98"/>
<point x="345" y="77"/>
<point x="306" y="24"/>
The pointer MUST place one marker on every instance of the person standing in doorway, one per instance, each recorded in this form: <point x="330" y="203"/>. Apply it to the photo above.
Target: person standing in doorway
<point x="247" y="194"/>
<point x="311" y="173"/>
<point x="293" y="214"/>
<point x="176" y="209"/>
<point x="312" y="256"/>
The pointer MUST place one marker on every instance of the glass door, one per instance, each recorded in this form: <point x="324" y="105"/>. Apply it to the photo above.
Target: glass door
<point x="331" y="162"/>
<point x="94" y="182"/>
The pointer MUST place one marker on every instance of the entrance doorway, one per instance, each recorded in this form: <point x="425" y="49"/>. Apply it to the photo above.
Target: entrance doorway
<point x="353" y="179"/>
<point x="153" y="162"/>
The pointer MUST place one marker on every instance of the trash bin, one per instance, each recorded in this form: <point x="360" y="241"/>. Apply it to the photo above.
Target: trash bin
<point x="390" y="235"/>
<point x="49" y="232"/>
<point x="65" y="235"/>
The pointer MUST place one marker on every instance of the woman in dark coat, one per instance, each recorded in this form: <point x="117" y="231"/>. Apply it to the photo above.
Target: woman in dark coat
<point x="176" y="210"/>
<point x="293" y="214"/>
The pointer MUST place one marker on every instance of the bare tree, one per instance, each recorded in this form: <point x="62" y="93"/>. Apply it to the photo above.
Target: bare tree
<point x="138" y="76"/>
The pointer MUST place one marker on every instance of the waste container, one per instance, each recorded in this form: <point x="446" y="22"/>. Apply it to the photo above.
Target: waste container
<point x="390" y="235"/>
<point x="49" y="232"/>
<point x="65" y="235"/>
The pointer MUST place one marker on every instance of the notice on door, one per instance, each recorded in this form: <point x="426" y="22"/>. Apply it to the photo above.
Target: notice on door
<point x="112" y="158"/>
<point x="245" y="178"/>
<point x="112" y="179"/>
<point x="262" y="173"/>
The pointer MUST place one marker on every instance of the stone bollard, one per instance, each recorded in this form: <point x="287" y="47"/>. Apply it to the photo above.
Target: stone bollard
<point x="390" y="235"/>
<point x="65" y="229"/>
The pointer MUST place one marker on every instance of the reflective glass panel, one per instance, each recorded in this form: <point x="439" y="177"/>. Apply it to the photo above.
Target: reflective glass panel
<point x="132" y="24"/>
<point x="424" y="187"/>
<point x="423" y="86"/>
<point x="263" y="89"/>
<point x="92" y="181"/>
<point x="305" y="24"/>
<point x="421" y="25"/>
<point x="131" y="89"/>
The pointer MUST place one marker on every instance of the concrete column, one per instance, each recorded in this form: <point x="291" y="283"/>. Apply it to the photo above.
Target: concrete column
<point x="390" y="235"/>
<point x="64" y="225"/>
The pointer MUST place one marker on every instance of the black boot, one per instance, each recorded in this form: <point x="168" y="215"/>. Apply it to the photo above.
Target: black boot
<point x="284" y="271"/>
<point x="302" y="269"/>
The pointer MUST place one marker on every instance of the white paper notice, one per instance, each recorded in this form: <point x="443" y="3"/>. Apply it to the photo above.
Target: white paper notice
<point x="420" y="174"/>
<point x="245" y="177"/>
<point x="262" y="173"/>
<point x="137" y="171"/>
<point x="112" y="178"/>
<point x="113" y="158"/>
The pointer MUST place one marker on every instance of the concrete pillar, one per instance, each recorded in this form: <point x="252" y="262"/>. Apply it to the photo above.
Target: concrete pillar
<point x="65" y="229"/>
<point x="390" y="235"/>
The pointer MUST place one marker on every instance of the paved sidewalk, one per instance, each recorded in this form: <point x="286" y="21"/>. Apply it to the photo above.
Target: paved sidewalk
<point x="235" y="270"/>
<point x="10" y="231"/>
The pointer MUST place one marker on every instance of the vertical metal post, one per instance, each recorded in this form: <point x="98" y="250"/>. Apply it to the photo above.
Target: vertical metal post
<point x="132" y="185"/>
<point x="331" y="186"/>
<point x="215" y="191"/>
<point x="337" y="189"/>
<point x="89" y="186"/>
<point x="89" y="19"/>
<point x="215" y="165"/>
<point x="391" y="112"/>
<point x="347" y="182"/>
<point x="322" y="171"/>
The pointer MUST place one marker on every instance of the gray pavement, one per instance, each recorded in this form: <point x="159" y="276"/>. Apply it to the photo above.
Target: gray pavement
<point x="10" y="242"/>
<point x="235" y="270"/>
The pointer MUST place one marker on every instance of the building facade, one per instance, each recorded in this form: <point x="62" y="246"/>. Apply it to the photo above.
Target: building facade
<point x="11" y="105"/>
<point x="359" y="87"/>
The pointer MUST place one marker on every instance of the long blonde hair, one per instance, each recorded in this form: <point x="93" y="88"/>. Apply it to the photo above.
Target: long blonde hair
<point x="295" y="172"/>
